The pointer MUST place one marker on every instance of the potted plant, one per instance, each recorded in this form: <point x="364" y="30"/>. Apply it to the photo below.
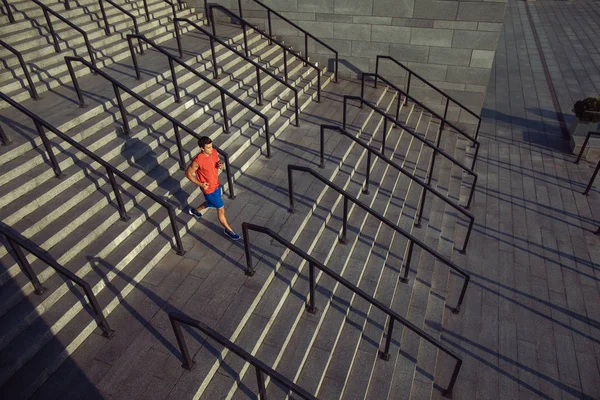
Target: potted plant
<point x="587" y="110"/>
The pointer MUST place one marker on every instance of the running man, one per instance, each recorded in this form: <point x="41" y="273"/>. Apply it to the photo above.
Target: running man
<point x="204" y="172"/>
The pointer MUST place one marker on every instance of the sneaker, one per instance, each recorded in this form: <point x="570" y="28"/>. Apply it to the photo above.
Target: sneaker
<point x="192" y="211"/>
<point x="231" y="234"/>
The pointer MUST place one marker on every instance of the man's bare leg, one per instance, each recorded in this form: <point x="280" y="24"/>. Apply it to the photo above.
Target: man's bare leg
<point x="222" y="219"/>
<point x="201" y="207"/>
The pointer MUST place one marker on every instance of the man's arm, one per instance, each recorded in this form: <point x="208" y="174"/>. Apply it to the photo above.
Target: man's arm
<point x="190" y="173"/>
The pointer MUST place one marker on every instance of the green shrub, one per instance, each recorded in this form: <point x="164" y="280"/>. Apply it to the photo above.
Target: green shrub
<point x="588" y="110"/>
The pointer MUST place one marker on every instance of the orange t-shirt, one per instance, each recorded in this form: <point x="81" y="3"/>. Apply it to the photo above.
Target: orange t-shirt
<point x="208" y="170"/>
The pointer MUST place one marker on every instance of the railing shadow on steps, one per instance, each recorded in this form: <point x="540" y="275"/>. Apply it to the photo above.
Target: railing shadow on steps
<point x="426" y="187"/>
<point x="122" y="10"/>
<point x="311" y="303"/>
<point x="271" y="39"/>
<point x="110" y="169"/>
<point x="47" y="12"/>
<point x="17" y="53"/>
<point x="306" y="33"/>
<point x="593" y="178"/>
<point x="444" y="120"/>
<point x="212" y="39"/>
<point x="412" y="240"/>
<point x="177" y="319"/>
<point x="412" y="73"/>
<point x="172" y="60"/>
<point x="435" y="147"/>
<point x="176" y="124"/>
<point x="18" y="243"/>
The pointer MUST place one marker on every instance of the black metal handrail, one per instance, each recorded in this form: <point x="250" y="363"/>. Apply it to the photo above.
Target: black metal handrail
<point x="258" y="67"/>
<point x="9" y="13"/>
<point x="176" y="124"/>
<point x="245" y="24"/>
<point x="18" y="243"/>
<point x="420" y="104"/>
<point x="127" y="13"/>
<point x="110" y="169"/>
<point x="172" y="59"/>
<point x="412" y="240"/>
<point x="436" y="149"/>
<point x="177" y="319"/>
<point x="585" y="143"/>
<point x="47" y="11"/>
<point x="311" y="306"/>
<point x="448" y="97"/>
<point x="306" y="33"/>
<point x="402" y="170"/>
<point x="17" y="53"/>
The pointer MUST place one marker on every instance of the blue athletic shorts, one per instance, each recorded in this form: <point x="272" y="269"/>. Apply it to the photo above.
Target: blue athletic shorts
<point x="214" y="200"/>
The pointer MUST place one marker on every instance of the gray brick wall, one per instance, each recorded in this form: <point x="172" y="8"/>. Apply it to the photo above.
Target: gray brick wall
<point x="449" y="42"/>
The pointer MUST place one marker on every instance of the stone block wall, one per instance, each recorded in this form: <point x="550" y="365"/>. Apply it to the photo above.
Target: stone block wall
<point x="450" y="43"/>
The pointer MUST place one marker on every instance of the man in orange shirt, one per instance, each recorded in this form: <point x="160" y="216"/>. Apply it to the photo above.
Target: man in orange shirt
<point x="204" y="172"/>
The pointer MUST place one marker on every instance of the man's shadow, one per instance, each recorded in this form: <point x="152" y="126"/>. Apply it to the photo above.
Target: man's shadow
<point x="141" y="156"/>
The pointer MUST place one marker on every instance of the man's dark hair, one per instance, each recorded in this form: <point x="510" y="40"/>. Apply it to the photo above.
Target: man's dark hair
<point x="203" y="141"/>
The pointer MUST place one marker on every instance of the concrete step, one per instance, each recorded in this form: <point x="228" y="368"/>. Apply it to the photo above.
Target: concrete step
<point x="48" y="69"/>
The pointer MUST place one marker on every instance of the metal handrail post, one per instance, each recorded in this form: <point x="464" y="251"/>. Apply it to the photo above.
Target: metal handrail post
<point x="385" y="121"/>
<point x="225" y="119"/>
<point x="406" y="261"/>
<point x="146" y="11"/>
<point x="11" y="18"/>
<point x="258" y="88"/>
<point x="4" y="137"/>
<point x="55" y="166"/>
<point x="188" y="362"/>
<point x="585" y="143"/>
<point x="113" y="183"/>
<point x="24" y="262"/>
<point x="385" y="354"/>
<point x="32" y="91"/>
<point x="229" y="175"/>
<point x="249" y="265"/>
<point x="51" y="28"/>
<point x="260" y="382"/>
<point x="180" y="251"/>
<point x="311" y="304"/>
<point x="368" y="173"/>
<point x="342" y="238"/>
<point x="214" y="59"/>
<point x="122" y="109"/>
<point x="174" y="79"/>
<point x="179" y="147"/>
<point x="589" y="186"/>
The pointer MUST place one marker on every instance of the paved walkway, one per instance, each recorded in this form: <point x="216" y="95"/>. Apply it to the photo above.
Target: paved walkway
<point x="531" y="325"/>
